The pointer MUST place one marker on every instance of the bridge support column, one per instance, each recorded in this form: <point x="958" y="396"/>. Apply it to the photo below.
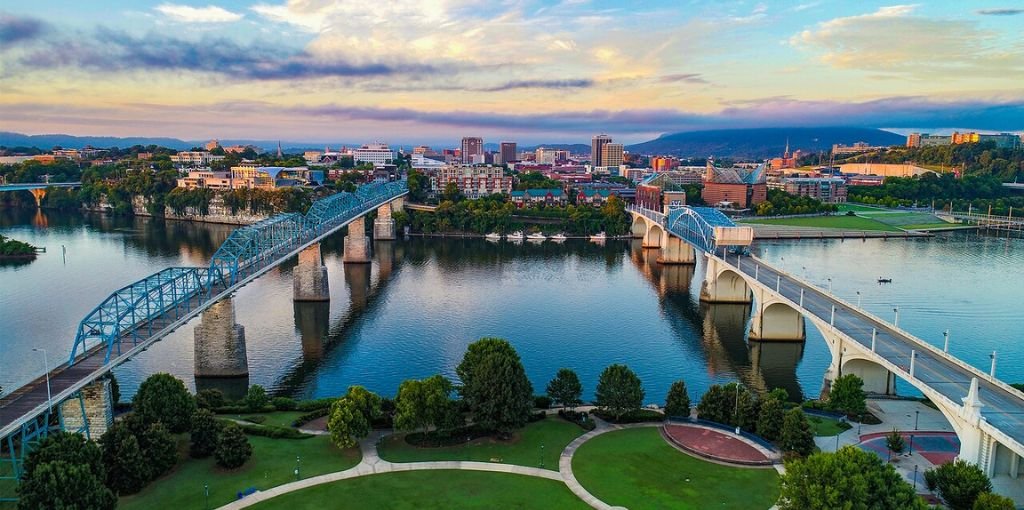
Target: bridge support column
<point x="652" y="239"/>
<point x="775" y="320"/>
<point x="92" y="413"/>
<point x="357" y="245"/>
<point x="220" y="343"/>
<point x="384" y="225"/>
<point x="38" y="194"/>
<point x="676" y="251"/>
<point x="723" y="285"/>
<point x="310" y="281"/>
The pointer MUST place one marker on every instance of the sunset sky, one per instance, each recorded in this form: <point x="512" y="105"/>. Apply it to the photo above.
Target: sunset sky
<point x="432" y="71"/>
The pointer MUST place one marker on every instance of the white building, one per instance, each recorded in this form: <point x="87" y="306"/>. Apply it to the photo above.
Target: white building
<point x="376" y="153"/>
<point x="194" y="158"/>
<point x="425" y="164"/>
<point x="472" y="181"/>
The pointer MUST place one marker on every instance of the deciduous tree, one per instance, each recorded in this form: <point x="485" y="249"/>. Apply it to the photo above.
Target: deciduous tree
<point x="959" y="483"/>
<point x="347" y="423"/>
<point x="851" y="479"/>
<point x="203" y="436"/>
<point x="127" y="471"/>
<point x="565" y="389"/>
<point x="678" y="401"/>
<point x="770" y="418"/>
<point x="797" y="435"/>
<point x="233" y="448"/>
<point x="495" y="386"/>
<point x="619" y="390"/>
<point x="847" y="395"/>
<point x="164" y="398"/>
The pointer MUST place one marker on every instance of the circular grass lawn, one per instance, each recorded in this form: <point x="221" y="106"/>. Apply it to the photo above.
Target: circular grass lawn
<point x="439" y="489"/>
<point x="637" y="469"/>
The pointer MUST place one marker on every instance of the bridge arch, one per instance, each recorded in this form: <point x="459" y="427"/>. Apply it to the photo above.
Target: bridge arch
<point x="639" y="227"/>
<point x="776" y="320"/>
<point x="724" y="285"/>
<point x="653" y="238"/>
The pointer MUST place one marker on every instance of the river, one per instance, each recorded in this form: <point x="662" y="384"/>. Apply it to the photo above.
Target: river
<point x="412" y="312"/>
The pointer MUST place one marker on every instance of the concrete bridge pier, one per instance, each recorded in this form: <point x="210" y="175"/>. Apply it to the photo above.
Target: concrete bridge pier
<point x="312" y="320"/>
<point x="775" y="320"/>
<point x="38" y="194"/>
<point x="676" y="251"/>
<point x="384" y="224"/>
<point x="357" y="245"/>
<point x="92" y="412"/>
<point x="722" y="284"/>
<point x="220" y="343"/>
<point x="653" y="237"/>
<point x="309" y="278"/>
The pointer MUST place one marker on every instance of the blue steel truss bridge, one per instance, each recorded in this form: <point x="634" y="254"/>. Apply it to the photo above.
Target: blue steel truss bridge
<point x="135" y="316"/>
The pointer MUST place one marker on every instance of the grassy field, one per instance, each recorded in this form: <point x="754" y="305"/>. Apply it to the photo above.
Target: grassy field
<point x="826" y="426"/>
<point x="449" y="490"/>
<point x="837" y="222"/>
<point x="279" y="418"/>
<point x="858" y="208"/>
<point x="272" y="463"/>
<point x="523" y="449"/>
<point x="637" y="469"/>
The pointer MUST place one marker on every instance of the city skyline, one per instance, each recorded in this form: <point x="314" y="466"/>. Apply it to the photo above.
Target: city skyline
<point x="531" y="71"/>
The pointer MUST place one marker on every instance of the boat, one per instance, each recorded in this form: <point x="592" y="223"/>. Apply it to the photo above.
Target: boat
<point x="884" y="280"/>
<point x="558" y="237"/>
<point x="536" y="236"/>
<point x="598" y="237"/>
<point x="515" y="236"/>
<point x="493" y="236"/>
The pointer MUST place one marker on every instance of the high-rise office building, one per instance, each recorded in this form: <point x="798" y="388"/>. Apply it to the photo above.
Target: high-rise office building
<point x="508" y="152"/>
<point x="611" y="154"/>
<point x="596" y="144"/>
<point x="472" y="146"/>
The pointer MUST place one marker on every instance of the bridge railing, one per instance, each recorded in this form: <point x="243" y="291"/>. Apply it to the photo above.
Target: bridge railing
<point x="129" y="313"/>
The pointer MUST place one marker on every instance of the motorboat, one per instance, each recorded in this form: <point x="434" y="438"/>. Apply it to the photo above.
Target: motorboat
<point x="493" y="236"/>
<point x="559" y="237"/>
<point x="515" y="236"/>
<point x="536" y="236"/>
<point x="598" y="237"/>
<point x="884" y="280"/>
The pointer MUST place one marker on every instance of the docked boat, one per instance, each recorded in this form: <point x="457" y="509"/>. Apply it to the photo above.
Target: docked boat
<point x="884" y="280"/>
<point x="493" y="236"/>
<point x="536" y="236"/>
<point x="558" y="237"/>
<point x="598" y="237"/>
<point x="515" y="236"/>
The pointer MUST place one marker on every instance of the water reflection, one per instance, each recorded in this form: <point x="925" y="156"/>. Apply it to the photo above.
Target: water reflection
<point x="313" y="323"/>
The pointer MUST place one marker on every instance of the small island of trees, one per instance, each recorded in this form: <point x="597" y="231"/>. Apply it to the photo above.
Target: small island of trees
<point x="12" y="249"/>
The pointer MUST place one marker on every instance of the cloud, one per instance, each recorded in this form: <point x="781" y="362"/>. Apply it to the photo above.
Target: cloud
<point x="14" y="29"/>
<point x="114" y="50"/>
<point x="999" y="12"/>
<point x="894" y="40"/>
<point x="538" y="84"/>
<point x="189" y="14"/>
<point x="683" y="77"/>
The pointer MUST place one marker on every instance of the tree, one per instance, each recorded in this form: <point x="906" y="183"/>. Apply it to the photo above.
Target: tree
<point x="163" y="397"/>
<point x="256" y="398"/>
<point x="894" y="441"/>
<point x="990" y="501"/>
<point x="210" y="399"/>
<point x="347" y="423"/>
<point x="127" y="472"/>
<point x="424" y="403"/>
<point x="67" y="447"/>
<point x="495" y="386"/>
<point x="66" y="486"/>
<point x="678" y="401"/>
<point x="366" y="401"/>
<point x="160" y="449"/>
<point x="847" y="395"/>
<point x="959" y="483"/>
<point x="770" y="418"/>
<point x="233" y="448"/>
<point x="851" y="479"/>
<point x="731" y="404"/>
<point x="203" y="435"/>
<point x="716" y="405"/>
<point x="565" y="389"/>
<point x="797" y="435"/>
<point x="619" y="390"/>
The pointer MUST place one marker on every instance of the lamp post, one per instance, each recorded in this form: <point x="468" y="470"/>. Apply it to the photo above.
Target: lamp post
<point x="993" y="371"/>
<point x="46" y="366"/>
<point x="858" y="299"/>
<point x="830" y="285"/>
<point x="737" y="414"/>
<point x="298" y="464"/>
<point x="206" y="489"/>
<point x="542" y="456"/>
<point x="896" y="318"/>
<point x="917" y="415"/>
<point x="945" y="343"/>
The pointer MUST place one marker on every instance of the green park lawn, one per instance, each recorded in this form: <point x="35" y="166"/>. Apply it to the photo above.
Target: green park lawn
<point x="858" y="208"/>
<point x="272" y="463"/>
<point x="837" y="222"/>
<point x="278" y="418"/>
<point x="449" y="490"/>
<point x="826" y="426"/>
<point x="523" y="449"/>
<point x="637" y="469"/>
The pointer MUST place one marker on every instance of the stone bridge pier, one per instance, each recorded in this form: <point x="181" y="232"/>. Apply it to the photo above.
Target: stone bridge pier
<point x="309" y="278"/>
<point x="384" y="224"/>
<point x="38" y="194"/>
<point x="220" y="343"/>
<point x="313" y="321"/>
<point x="91" y="412"/>
<point x="357" y="245"/>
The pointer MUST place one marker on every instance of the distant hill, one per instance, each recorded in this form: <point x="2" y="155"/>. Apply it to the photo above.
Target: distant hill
<point x="47" y="142"/>
<point x="761" y="143"/>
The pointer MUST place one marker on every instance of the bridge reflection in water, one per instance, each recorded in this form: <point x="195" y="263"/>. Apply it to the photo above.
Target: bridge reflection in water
<point x="723" y="328"/>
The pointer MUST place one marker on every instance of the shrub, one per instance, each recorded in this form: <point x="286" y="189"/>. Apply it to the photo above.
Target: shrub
<point x="310" y="416"/>
<point x="312" y="405"/>
<point x="203" y="437"/>
<point x="271" y="431"/>
<point x="990" y="501"/>
<point x="894" y="442"/>
<point x="634" y="416"/>
<point x="283" y="403"/>
<point x="578" y="417"/>
<point x="541" y="402"/>
<point x="210" y="399"/>
<point x="258" y="419"/>
<point x="125" y="463"/>
<point x="256" y="398"/>
<point x="233" y="448"/>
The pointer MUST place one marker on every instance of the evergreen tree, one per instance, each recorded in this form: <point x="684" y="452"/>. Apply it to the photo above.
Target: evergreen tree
<point x="68" y="447"/>
<point x="565" y="389"/>
<point x="678" y="401"/>
<point x="716" y="405"/>
<point x="164" y="398"/>
<point x="233" y="448"/>
<point x="203" y="436"/>
<point x="797" y="436"/>
<point x="619" y="391"/>
<point x="127" y="469"/>
<point x="770" y="418"/>
<point x="65" y="486"/>
<point x="894" y="441"/>
<point x="160" y="449"/>
<point x="210" y="399"/>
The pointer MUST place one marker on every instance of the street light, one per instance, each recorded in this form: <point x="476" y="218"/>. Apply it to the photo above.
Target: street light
<point x="993" y="371"/>
<point x="858" y="299"/>
<point x="542" y="456"/>
<point x="945" y="344"/>
<point x="737" y="415"/>
<point x="46" y="366"/>
<point x="896" y="319"/>
<point x="830" y="285"/>
<point x="298" y="463"/>
<point x="206" y="488"/>
<point x="917" y="415"/>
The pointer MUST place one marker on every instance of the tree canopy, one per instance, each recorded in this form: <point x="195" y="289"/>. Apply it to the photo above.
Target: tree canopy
<point x="565" y="389"/>
<point x="619" y="390"/>
<point x="850" y="479"/>
<point x="164" y="398"/>
<point x="495" y="386"/>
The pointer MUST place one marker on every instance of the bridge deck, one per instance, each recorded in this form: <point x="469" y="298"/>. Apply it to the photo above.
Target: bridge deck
<point x="1004" y="409"/>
